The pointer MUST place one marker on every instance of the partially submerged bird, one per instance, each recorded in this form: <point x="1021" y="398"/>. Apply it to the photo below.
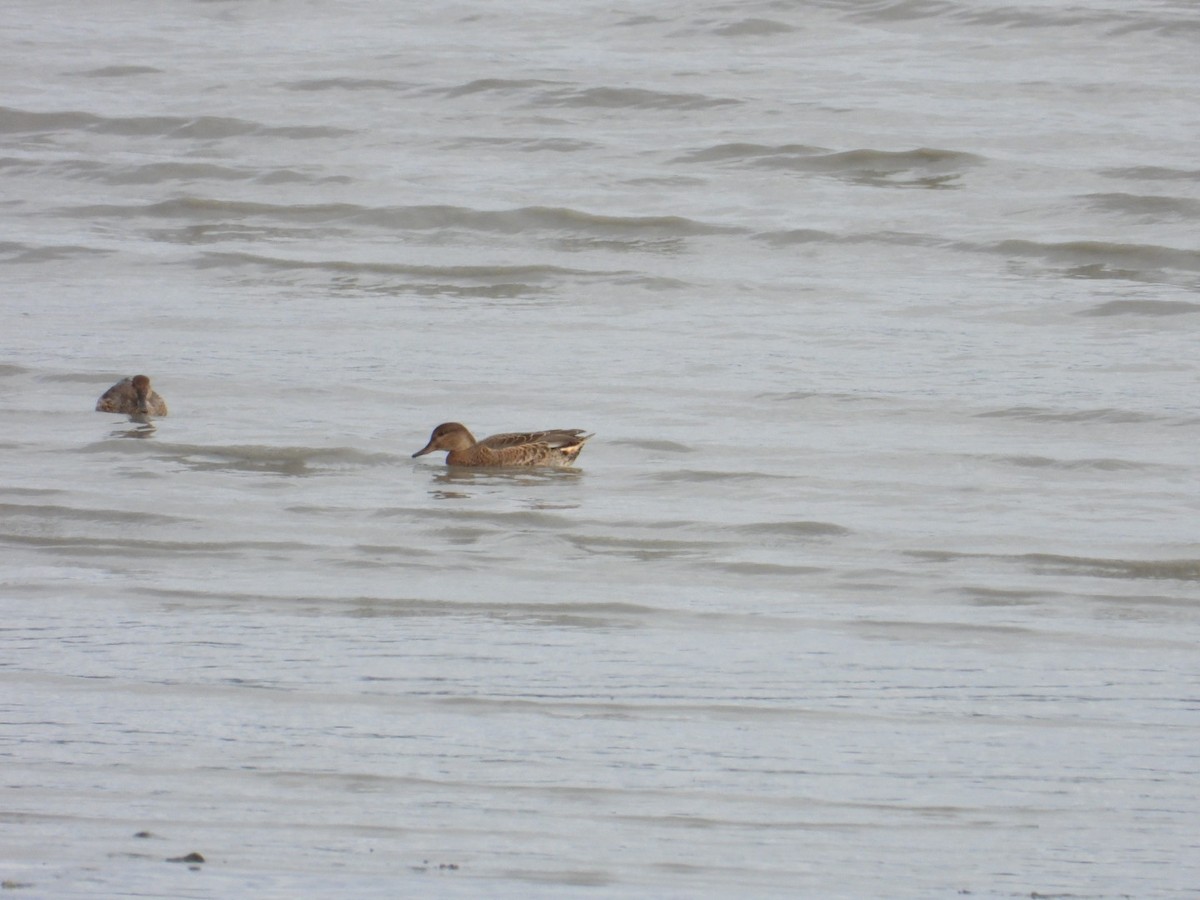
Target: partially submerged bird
<point x="132" y="396"/>
<point x="532" y="448"/>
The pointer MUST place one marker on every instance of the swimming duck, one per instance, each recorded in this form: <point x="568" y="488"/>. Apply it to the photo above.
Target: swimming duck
<point x="558" y="447"/>
<point x="132" y="396"/>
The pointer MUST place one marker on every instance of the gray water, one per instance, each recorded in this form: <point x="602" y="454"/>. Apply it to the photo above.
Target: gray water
<point x="878" y="579"/>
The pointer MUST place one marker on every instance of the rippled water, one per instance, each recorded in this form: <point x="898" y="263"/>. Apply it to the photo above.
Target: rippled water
<point x="879" y="578"/>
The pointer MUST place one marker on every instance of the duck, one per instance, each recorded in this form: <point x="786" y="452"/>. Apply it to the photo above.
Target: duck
<point x="556" y="447"/>
<point x="132" y="396"/>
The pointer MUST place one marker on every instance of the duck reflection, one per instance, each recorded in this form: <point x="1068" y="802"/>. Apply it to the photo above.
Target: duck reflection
<point x="144" y="428"/>
<point x="455" y="483"/>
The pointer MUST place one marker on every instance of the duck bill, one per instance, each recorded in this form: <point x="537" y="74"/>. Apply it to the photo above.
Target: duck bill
<point x="428" y="448"/>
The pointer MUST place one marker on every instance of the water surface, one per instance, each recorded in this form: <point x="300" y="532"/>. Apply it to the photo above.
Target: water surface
<point x="879" y="577"/>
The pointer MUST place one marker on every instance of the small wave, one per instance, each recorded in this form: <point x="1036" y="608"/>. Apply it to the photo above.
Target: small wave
<point x="1155" y="569"/>
<point x="496" y="85"/>
<point x="559" y="611"/>
<point x="993" y="637"/>
<point x="416" y="218"/>
<point x="1104" y="256"/>
<point x="554" y="145"/>
<point x="651" y="282"/>
<point x="124" y="546"/>
<point x="403" y="551"/>
<point x="701" y="475"/>
<point x="653" y="445"/>
<point x="754" y="28"/>
<point x="293" y="176"/>
<point x="377" y="606"/>
<point x="515" y="520"/>
<point x="893" y="10"/>
<point x="834" y="396"/>
<point x="880" y="167"/>
<point x="1043" y="462"/>
<point x="1108" y="20"/>
<point x="1111" y="22"/>
<point x="18" y="121"/>
<point x="348" y="84"/>
<point x="7" y="370"/>
<point x="743" y="152"/>
<point x="1142" y="308"/>
<point x="485" y="282"/>
<point x="215" y="128"/>
<point x="1152" y="173"/>
<point x="640" y="548"/>
<point x="212" y="209"/>
<point x="656" y="525"/>
<point x="573" y="615"/>
<point x="573" y="220"/>
<point x="345" y="267"/>
<point x="981" y="596"/>
<point x="21" y="253"/>
<point x="578" y="221"/>
<point x="290" y="461"/>
<point x="521" y="144"/>
<point x="630" y="98"/>
<point x="1151" y="207"/>
<point x="120" y="71"/>
<point x="1099" y="567"/>
<point x="156" y="173"/>
<point x="793" y="529"/>
<point x="793" y="236"/>
<point x="1040" y="414"/>
<point x="752" y="569"/>
<point x="53" y="513"/>
<point x="924" y="167"/>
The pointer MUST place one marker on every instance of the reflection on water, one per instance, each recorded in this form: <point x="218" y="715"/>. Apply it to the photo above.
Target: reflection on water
<point x="145" y="428"/>
<point x="463" y="477"/>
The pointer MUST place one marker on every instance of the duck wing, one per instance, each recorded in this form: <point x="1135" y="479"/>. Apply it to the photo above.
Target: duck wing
<point x="118" y="398"/>
<point x="158" y="406"/>
<point x="558" y="437"/>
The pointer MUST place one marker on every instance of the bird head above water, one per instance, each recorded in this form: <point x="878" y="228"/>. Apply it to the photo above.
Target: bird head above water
<point x="447" y="436"/>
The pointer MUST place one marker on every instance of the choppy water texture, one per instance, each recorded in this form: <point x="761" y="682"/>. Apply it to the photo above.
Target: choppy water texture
<point x="880" y="577"/>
